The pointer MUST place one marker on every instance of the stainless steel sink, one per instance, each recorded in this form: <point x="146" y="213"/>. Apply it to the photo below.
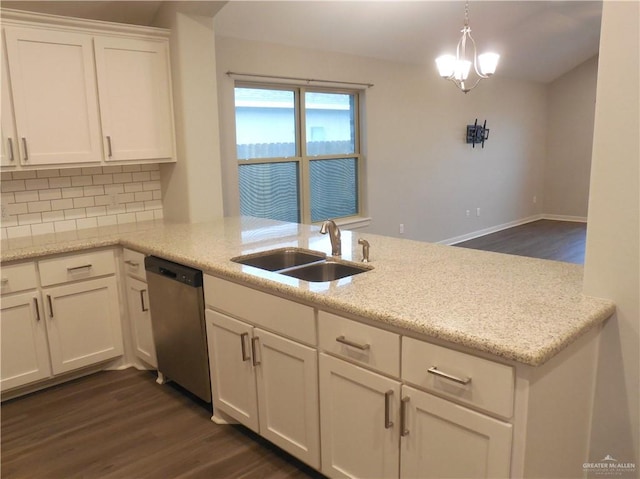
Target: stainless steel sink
<point x="325" y="271"/>
<point x="304" y="264"/>
<point x="279" y="259"/>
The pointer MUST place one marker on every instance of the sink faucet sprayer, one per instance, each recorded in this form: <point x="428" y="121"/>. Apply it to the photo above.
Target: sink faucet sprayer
<point x="365" y="249"/>
<point x="331" y="227"/>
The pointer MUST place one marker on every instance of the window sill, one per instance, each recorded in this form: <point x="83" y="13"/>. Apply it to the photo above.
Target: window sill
<point x="353" y="222"/>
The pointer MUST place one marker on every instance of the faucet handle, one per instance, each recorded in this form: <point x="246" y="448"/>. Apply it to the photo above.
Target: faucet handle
<point x="365" y="249"/>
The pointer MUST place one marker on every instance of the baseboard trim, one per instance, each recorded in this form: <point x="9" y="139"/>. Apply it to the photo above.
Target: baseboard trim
<point x="511" y="224"/>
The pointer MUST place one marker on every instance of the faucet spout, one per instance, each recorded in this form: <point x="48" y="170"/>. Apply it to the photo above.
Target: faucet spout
<point x="331" y="227"/>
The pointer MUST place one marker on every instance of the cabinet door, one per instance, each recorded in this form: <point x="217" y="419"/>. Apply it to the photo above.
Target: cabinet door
<point x="24" y="353"/>
<point x="83" y="323"/>
<point x="360" y="428"/>
<point x="8" y="149"/>
<point x="233" y="383"/>
<point x="138" y="305"/>
<point x="135" y="98"/>
<point x="445" y="440"/>
<point x="54" y="94"/>
<point x="287" y="380"/>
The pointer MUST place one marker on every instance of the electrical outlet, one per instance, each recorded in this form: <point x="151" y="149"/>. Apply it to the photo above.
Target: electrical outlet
<point x="5" y="212"/>
<point x="468" y="213"/>
<point x="477" y="211"/>
<point x="535" y="200"/>
<point x="401" y="228"/>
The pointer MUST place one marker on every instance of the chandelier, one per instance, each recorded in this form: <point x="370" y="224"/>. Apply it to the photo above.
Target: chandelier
<point x="457" y="68"/>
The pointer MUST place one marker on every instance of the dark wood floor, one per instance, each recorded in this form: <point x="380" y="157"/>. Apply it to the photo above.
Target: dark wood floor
<point x="546" y="239"/>
<point x="122" y="425"/>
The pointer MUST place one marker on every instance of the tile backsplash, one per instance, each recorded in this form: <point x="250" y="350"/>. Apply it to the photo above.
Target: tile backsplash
<point x="53" y="201"/>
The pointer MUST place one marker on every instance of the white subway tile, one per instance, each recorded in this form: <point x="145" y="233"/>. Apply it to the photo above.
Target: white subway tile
<point x="29" y="218"/>
<point x="102" y="179"/>
<point x="151" y="185"/>
<point x="126" y="218"/>
<point x="24" y="175"/>
<point x="113" y="189"/>
<point x="142" y="176"/>
<point x="67" y="225"/>
<point x="18" y="231"/>
<point x="42" y="229"/>
<point x="50" y="216"/>
<point x="133" y="187"/>
<point x="97" y="211"/>
<point x="73" y="192"/>
<point x="87" y="223"/>
<point x="122" y="178"/>
<point x="72" y="171"/>
<point x="92" y="170"/>
<point x="65" y="204"/>
<point x="152" y="205"/>
<point x="108" y="220"/>
<point x="133" y="207"/>
<point x="130" y="168"/>
<point x="155" y="175"/>
<point x="7" y="186"/>
<point x="10" y="221"/>
<point x="4" y="234"/>
<point x="39" y="206"/>
<point x="75" y="213"/>
<point x="115" y="210"/>
<point x="26" y="196"/>
<point x="157" y="194"/>
<point x="103" y="200"/>
<point x="112" y="169"/>
<point x="48" y="173"/>
<point x="17" y="208"/>
<point x="52" y="194"/>
<point x="83" y="202"/>
<point x="143" y="196"/>
<point x="84" y="180"/>
<point x="6" y="176"/>
<point x="126" y="198"/>
<point x="158" y="214"/>
<point x="144" y="216"/>
<point x="7" y="198"/>
<point x="61" y="182"/>
<point x="39" y="184"/>
<point x="93" y="190"/>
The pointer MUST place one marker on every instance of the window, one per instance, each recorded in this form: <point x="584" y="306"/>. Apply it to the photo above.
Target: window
<point x="298" y="152"/>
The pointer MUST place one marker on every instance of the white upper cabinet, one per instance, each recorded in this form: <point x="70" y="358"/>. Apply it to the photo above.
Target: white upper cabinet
<point x="55" y="102"/>
<point x="135" y="98"/>
<point x="78" y="92"/>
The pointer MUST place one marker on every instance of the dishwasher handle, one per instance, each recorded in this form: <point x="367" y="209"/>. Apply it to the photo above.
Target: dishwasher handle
<point x="167" y="272"/>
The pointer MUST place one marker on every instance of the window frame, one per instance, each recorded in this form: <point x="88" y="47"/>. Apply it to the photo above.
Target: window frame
<point x="304" y="160"/>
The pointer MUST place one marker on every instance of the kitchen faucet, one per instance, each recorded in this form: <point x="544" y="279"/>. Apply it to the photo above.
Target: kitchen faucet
<point x="331" y="227"/>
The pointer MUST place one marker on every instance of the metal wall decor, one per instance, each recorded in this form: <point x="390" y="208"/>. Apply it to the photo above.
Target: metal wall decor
<point x="477" y="134"/>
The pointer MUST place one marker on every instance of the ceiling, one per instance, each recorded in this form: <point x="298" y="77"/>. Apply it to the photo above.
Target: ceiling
<point x="537" y="40"/>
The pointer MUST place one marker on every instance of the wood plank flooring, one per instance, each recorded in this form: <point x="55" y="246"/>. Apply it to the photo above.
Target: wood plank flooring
<point x="122" y="425"/>
<point x="545" y="239"/>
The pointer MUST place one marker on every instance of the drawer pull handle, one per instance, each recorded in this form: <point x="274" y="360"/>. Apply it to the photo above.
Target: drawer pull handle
<point x="25" y="149"/>
<point x="12" y="157"/>
<point x="110" y="150"/>
<point x="387" y="409"/>
<point x="144" y="307"/>
<point x="77" y="268"/>
<point x="361" y="347"/>
<point x="243" y="345"/>
<point x="35" y="304"/>
<point x="435" y="371"/>
<point x="404" y="431"/>
<point x="254" y="348"/>
<point x="130" y="262"/>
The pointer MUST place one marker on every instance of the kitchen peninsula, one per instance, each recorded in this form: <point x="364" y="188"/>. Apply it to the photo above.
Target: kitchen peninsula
<point x="524" y="319"/>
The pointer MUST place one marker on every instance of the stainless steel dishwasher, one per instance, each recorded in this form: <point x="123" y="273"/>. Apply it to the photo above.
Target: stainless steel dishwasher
<point x="176" y="301"/>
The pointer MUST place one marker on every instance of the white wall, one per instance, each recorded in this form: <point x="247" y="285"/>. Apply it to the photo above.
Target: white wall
<point x="570" y="116"/>
<point x="419" y="171"/>
<point x="612" y="267"/>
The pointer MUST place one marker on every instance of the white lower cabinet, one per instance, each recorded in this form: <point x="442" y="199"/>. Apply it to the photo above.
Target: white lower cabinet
<point x="83" y="322"/>
<point x="266" y="382"/>
<point x="24" y="348"/>
<point x="441" y="439"/>
<point x="359" y="411"/>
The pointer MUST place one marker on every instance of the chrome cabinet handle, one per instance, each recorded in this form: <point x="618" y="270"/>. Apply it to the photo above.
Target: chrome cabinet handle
<point x="243" y="345"/>
<point x="50" y="306"/>
<point x="144" y="308"/>
<point x="35" y="303"/>
<point x="11" y="155"/>
<point x="387" y="409"/>
<point x="110" y="151"/>
<point x="436" y="372"/>
<point x="77" y="268"/>
<point x="26" y="150"/>
<point x="254" y="348"/>
<point x="361" y="347"/>
<point x="404" y="431"/>
<point x="135" y="264"/>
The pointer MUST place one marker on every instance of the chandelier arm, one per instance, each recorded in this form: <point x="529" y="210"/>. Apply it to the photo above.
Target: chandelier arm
<point x="475" y="58"/>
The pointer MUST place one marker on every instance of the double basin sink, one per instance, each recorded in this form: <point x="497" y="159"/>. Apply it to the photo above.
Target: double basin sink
<point x="304" y="264"/>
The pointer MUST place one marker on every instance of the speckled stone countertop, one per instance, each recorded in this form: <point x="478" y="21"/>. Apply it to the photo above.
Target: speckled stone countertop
<point x="514" y="307"/>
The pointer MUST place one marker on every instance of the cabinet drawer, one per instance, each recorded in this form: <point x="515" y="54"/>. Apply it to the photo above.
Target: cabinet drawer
<point x="78" y="266"/>
<point x="280" y="315"/>
<point x="364" y="344"/>
<point x="134" y="264"/>
<point x="489" y="385"/>
<point x="18" y="277"/>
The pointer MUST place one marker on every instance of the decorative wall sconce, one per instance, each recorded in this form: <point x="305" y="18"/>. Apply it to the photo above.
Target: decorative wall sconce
<point x="477" y="134"/>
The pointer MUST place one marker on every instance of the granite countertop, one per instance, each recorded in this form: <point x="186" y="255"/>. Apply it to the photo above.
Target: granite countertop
<point x="518" y="308"/>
